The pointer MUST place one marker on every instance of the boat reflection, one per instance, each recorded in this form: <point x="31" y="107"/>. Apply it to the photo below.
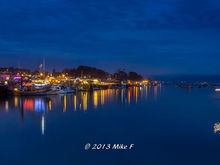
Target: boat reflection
<point x="80" y="101"/>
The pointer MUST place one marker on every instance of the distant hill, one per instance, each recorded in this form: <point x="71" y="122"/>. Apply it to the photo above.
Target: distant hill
<point x="190" y="78"/>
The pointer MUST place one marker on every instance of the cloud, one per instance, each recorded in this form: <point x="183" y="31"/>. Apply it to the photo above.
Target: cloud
<point x="112" y="30"/>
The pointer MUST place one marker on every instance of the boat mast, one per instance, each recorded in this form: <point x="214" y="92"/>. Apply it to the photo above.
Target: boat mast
<point x="44" y="66"/>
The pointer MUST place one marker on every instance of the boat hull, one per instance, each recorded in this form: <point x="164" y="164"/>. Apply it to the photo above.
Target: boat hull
<point x="29" y="93"/>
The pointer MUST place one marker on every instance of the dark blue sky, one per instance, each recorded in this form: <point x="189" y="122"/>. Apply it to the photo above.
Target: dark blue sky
<point x="148" y="36"/>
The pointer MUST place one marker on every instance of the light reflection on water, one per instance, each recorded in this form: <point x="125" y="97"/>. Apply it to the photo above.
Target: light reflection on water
<point x="162" y="122"/>
<point x="80" y="101"/>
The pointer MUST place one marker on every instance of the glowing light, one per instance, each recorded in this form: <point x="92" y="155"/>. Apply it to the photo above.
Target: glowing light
<point x="95" y="99"/>
<point x="102" y="97"/>
<point x="16" y="102"/>
<point x="145" y="82"/>
<point x="85" y="101"/>
<point x="39" y="105"/>
<point x="136" y="94"/>
<point x="42" y="125"/>
<point x="217" y="127"/>
<point x="85" y="82"/>
<point x="95" y="81"/>
<point x="28" y="104"/>
<point x="129" y="97"/>
<point x="40" y="85"/>
<point x="74" y="102"/>
<point x="6" y="106"/>
<point x="50" y="105"/>
<point x="64" y="103"/>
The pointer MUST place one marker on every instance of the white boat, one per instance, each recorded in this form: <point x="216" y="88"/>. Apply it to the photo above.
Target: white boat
<point x="217" y="89"/>
<point x="60" y="90"/>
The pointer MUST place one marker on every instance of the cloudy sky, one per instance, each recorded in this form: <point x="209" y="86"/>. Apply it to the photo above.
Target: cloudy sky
<point x="148" y="36"/>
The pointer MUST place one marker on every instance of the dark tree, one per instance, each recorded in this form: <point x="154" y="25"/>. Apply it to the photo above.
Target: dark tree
<point x="70" y="72"/>
<point x="121" y="75"/>
<point x="134" y="76"/>
<point x="89" y="72"/>
<point x="14" y="70"/>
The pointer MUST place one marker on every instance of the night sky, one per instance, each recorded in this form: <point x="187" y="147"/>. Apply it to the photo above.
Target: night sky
<point x="147" y="36"/>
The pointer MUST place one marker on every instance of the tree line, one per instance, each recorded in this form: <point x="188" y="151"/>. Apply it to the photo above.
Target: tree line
<point x="92" y="72"/>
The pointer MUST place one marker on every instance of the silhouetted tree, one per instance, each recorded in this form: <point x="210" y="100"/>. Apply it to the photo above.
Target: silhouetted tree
<point x="87" y="71"/>
<point x="121" y="75"/>
<point x="134" y="76"/>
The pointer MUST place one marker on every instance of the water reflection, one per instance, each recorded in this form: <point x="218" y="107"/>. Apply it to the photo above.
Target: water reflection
<point x="64" y="103"/>
<point x="42" y="125"/>
<point x="79" y="101"/>
<point x="95" y="99"/>
<point x="84" y="99"/>
<point x="31" y="104"/>
<point x="75" y="102"/>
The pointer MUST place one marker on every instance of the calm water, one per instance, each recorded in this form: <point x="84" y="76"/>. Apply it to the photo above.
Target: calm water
<point x="167" y="125"/>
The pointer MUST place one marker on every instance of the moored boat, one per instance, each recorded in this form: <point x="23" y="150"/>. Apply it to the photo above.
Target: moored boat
<point x="40" y="92"/>
<point x="55" y="90"/>
<point x="29" y="90"/>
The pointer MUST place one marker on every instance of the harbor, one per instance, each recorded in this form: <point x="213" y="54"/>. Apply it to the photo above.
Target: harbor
<point x="109" y="82"/>
<point x="41" y="83"/>
<point x="45" y="125"/>
<point x="23" y="82"/>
